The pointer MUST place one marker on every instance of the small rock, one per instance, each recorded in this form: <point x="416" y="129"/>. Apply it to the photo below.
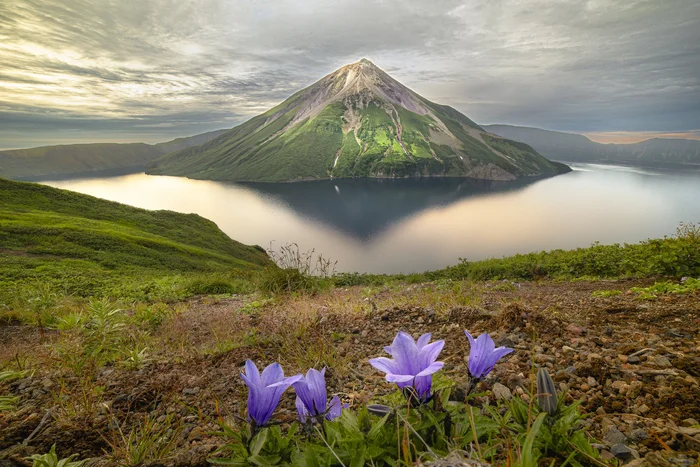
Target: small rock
<point x="614" y="437"/>
<point x="621" y="386"/>
<point x="501" y="392"/>
<point x="191" y="391"/>
<point x="46" y="383"/>
<point x="584" y="387"/>
<point x="568" y="349"/>
<point x="634" y="360"/>
<point x="594" y="356"/>
<point x="662" y="362"/>
<point x="638" y="435"/>
<point x="196" y="434"/>
<point x="592" y="381"/>
<point x="621" y="451"/>
<point x="575" y="330"/>
<point x="643" y="409"/>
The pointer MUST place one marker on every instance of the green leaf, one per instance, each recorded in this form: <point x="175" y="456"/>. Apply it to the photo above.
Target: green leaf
<point x="259" y="442"/>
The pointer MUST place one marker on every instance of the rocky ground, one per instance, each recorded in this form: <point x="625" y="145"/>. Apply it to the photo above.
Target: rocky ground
<point x="634" y="364"/>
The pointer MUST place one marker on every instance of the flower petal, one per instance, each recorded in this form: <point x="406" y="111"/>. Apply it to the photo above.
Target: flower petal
<point x="272" y="374"/>
<point x="252" y="373"/>
<point x="301" y="409"/>
<point x="335" y="408"/>
<point x="432" y="368"/>
<point x="429" y="353"/>
<point x="317" y="388"/>
<point x="383" y="364"/>
<point x="393" y="378"/>
<point x="405" y="353"/>
<point x="423" y="340"/>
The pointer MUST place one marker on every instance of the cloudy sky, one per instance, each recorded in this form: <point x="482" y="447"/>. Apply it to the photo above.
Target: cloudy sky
<point x="152" y="70"/>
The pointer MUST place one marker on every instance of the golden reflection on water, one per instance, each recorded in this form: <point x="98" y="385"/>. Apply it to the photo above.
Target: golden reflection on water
<point x="563" y="212"/>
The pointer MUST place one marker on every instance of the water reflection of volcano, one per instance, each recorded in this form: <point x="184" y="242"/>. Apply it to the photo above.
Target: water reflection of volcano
<point x="363" y="208"/>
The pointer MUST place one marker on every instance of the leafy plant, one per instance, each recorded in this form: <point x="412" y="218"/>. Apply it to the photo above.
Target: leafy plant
<point x="50" y="459"/>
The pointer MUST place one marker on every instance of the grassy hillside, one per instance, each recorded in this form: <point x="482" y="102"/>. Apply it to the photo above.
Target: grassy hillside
<point x="83" y="158"/>
<point x="84" y="245"/>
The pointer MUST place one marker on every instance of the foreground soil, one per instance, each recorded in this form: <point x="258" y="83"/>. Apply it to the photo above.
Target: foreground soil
<point x="634" y="364"/>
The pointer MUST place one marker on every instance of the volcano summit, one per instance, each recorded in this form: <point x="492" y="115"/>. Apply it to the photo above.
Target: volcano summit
<point x="357" y="122"/>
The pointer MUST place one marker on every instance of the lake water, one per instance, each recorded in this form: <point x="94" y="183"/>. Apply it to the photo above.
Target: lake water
<point x="416" y="225"/>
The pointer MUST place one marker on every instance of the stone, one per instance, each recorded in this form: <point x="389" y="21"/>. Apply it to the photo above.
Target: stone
<point x="633" y="360"/>
<point x="196" y="434"/>
<point x="501" y="392"/>
<point x="594" y="356"/>
<point x="568" y="349"/>
<point x="46" y="383"/>
<point x="638" y="435"/>
<point x="614" y="437"/>
<point x="621" y="386"/>
<point x="621" y="451"/>
<point x="575" y="330"/>
<point x="662" y="362"/>
<point x="643" y="409"/>
<point x="191" y="391"/>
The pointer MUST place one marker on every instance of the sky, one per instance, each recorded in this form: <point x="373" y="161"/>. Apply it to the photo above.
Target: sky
<point x="153" y="70"/>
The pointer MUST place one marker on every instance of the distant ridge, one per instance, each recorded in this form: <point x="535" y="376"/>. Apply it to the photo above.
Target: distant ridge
<point x="357" y="122"/>
<point x="71" y="159"/>
<point x="570" y="147"/>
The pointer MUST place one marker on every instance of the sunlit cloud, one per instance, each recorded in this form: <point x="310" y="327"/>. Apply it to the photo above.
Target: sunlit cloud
<point x="86" y="69"/>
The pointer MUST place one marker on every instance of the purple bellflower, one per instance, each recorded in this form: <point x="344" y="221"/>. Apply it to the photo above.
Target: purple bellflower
<point x="414" y="363"/>
<point x="265" y="391"/>
<point x="483" y="355"/>
<point x="312" y="399"/>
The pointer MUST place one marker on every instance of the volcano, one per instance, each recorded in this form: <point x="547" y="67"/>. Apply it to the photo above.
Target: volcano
<point x="357" y="122"/>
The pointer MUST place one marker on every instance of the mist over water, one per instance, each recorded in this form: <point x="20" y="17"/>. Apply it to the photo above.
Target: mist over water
<point x="416" y="225"/>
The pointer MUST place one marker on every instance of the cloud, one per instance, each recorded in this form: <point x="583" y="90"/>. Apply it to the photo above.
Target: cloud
<point x="164" y="68"/>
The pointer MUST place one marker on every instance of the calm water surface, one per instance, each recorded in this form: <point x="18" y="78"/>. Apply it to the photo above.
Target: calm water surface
<point x="415" y="225"/>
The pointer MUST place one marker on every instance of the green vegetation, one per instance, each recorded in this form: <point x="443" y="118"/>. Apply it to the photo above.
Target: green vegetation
<point x="675" y="256"/>
<point x="393" y="432"/>
<point x="57" y="243"/>
<point x="84" y="158"/>
<point x="689" y="285"/>
<point x="50" y="459"/>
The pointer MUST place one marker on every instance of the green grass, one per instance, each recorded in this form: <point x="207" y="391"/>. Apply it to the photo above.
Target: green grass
<point x="675" y="256"/>
<point x="80" y="245"/>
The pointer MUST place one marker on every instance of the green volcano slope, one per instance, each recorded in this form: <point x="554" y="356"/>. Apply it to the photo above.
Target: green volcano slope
<point x="357" y="122"/>
<point x="81" y="243"/>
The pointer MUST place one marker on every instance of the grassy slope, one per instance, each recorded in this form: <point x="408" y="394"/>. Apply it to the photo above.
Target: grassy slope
<point x="82" y="158"/>
<point x="70" y="238"/>
<point x="265" y="149"/>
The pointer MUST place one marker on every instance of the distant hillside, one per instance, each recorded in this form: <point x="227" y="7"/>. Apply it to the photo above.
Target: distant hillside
<point x="84" y="158"/>
<point x="48" y="233"/>
<point x="569" y="147"/>
<point x="357" y="122"/>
